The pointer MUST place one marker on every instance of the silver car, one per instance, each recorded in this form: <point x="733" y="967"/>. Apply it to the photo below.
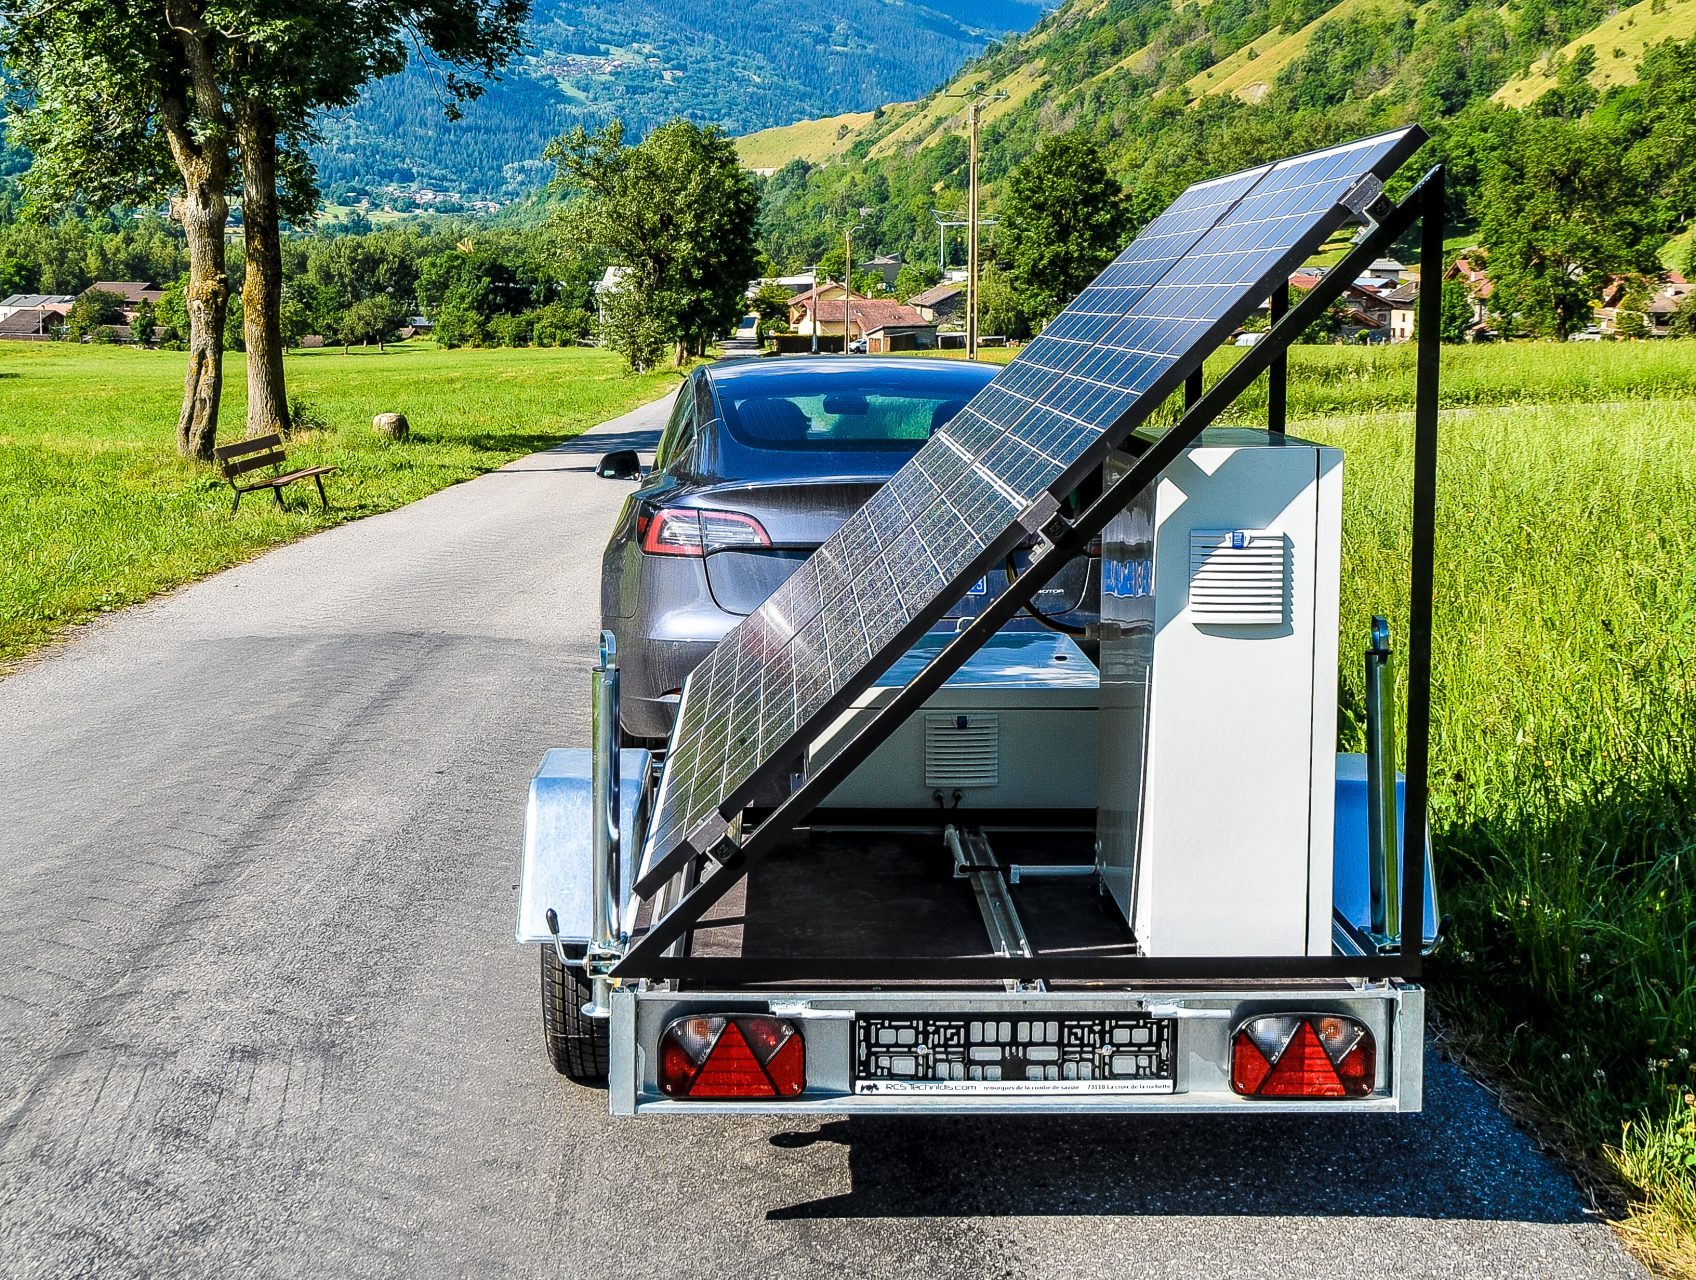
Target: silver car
<point x="760" y="462"/>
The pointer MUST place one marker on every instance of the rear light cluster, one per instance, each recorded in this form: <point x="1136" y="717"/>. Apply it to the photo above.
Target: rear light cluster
<point x="1317" y="1055"/>
<point x="685" y="531"/>
<point x="738" y="1056"/>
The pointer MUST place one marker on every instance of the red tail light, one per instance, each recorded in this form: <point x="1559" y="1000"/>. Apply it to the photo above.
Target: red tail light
<point x="1303" y="1056"/>
<point x="684" y="531"/>
<point x="737" y="1056"/>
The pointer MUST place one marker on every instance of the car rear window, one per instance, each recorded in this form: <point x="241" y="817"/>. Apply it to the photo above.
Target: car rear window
<point x="878" y="409"/>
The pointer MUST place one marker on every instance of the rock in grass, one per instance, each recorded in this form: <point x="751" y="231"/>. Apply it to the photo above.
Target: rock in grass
<point x="392" y="425"/>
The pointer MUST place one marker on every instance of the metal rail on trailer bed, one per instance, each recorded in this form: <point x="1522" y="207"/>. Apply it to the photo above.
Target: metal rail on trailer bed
<point x="884" y="868"/>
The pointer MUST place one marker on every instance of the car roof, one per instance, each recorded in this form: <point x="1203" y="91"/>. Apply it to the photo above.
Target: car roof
<point x="760" y="369"/>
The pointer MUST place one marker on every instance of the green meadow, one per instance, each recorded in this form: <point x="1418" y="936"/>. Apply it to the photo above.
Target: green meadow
<point x="97" y="511"/>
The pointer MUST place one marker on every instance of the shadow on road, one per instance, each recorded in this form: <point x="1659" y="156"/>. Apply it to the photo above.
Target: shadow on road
<point x="1455" y="1161"/>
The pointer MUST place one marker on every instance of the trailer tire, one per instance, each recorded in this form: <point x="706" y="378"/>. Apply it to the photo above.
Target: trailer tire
<point x="576" y="1044"/>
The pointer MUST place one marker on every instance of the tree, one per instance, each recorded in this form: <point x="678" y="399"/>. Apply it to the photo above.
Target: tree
<point x="120" y="104"/>
<point x="633" y="325"/>
<point x="285" y="62"/>
<point x="1683" y="322"/>
<point x="1458" y="313"/>
<point x="372" y="320"/>
<point x="914" y="278"/>
<point x="1063" y="220"/>
<point x="145" y="324"/>
<point x="1001" y="306"/>
<point x="1560" y="214"/>
<point x="678" y="213"/>
<point x="93" y="310"/>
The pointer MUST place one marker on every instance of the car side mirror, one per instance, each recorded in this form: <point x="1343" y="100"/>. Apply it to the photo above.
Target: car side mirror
<point x="620" y="464"/>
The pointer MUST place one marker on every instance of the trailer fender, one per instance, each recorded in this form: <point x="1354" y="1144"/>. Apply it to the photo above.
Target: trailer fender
<point x="1351" y="876"/>
<point x="556" y="862"/>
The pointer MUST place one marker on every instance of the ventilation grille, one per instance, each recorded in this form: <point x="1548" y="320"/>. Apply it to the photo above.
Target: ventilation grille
<point x="1238" y="577"/>
<point x="962" y="750"/>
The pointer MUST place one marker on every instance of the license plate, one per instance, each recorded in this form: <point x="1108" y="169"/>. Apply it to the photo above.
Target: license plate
<point x="1107" y="1054"/>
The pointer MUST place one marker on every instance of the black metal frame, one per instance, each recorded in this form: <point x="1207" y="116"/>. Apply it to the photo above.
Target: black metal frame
<point x="729" y="862"/>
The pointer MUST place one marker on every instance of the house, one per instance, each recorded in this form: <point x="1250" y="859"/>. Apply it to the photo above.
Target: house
<point x="1404" y="305"/>
<point x="1477" y="282"/>
<point x="1374" y="306"/>
<point x="132" y="293"/>
<point x="1665" y="304"/>
<point x="941" y="304"/>
<point x="887" y="265"/>
<point x="900" y="337"/>
<point x="1306" y="278"/>
<point x="30" y="324"/>
<point x="60" y="303"/>
<point x="795" y="284"/>
<point x="862" y="315"/>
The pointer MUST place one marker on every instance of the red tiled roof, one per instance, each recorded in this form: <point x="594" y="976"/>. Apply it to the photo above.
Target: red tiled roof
<point x="867" y="314"/>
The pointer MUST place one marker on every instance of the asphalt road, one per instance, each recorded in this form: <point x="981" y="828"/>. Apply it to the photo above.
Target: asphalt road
<point x="260" y="1010"/>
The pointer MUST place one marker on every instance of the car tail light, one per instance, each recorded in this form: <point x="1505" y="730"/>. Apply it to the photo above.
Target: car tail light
<point x="732" y="1056"/>
<point x="684" y="531"/>
<point x="1314" y="1055"/>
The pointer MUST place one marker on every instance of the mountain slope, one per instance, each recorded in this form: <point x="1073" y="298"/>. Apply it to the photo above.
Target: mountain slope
<point x="1618" y="41"/>
<point x="743" y="66"/>
<point x="1177" y="89"/>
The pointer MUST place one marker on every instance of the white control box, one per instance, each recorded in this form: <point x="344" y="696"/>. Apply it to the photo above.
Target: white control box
<point x="1216" y="758"/>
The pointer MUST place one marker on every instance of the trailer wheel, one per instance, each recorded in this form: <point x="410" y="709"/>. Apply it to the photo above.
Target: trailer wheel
<point x="576" y="1044"/>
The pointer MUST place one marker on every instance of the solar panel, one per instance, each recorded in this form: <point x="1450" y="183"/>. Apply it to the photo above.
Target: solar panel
<point x="992" y="474"/>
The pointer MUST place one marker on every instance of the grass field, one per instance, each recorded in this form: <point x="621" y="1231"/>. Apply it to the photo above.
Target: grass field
<point x="1564" y="759"/>
<point x="97" y="511"/>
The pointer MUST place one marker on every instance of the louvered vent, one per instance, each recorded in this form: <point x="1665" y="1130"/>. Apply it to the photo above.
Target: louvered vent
<point x="962" y="750"/>
<point x="1238" y="577"/>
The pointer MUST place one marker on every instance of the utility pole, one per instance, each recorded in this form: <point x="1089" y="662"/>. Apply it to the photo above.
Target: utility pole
<point x="848" y="282"/>
<point x="976" y="96"/>
<point x="815" y="308"/>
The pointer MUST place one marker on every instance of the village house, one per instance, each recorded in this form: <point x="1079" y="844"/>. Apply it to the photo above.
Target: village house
<point x="941" y="304"/>
<point x="30" y="324"/>
<point x="835" y="309"/>
<point x="58" y="303"/>
<point x="887" y="265"/>
<point x="1403" y="301"/>
<point x="132" y="292"/>
<point x="900" y="337"/>
<point x="1479" y="285"/>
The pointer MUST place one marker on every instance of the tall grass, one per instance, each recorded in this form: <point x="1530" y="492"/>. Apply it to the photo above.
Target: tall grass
<point x="1563" y="751"/>
<point x="97" y="511"/>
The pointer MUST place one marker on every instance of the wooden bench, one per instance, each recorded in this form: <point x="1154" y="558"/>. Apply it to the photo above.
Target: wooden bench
<point x="238" y="460"/>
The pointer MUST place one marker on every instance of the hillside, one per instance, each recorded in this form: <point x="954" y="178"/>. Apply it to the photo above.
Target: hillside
<point x="744" y="66"/>
<point x="1173" y="89"/>
<point x="1618" y="44"/>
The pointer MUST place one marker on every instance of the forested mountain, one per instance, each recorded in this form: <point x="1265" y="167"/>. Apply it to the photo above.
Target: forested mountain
<point x="744" y="65"/>
<point x="1176" y="89"/>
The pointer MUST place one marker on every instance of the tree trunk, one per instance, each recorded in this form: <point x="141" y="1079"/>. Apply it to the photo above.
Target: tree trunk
<point x="262" y="290"/>
<point x="193" y="123"/>
<point x="203" y="211"/>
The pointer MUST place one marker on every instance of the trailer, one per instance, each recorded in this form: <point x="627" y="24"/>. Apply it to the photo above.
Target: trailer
<point x="884" y="868"/>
